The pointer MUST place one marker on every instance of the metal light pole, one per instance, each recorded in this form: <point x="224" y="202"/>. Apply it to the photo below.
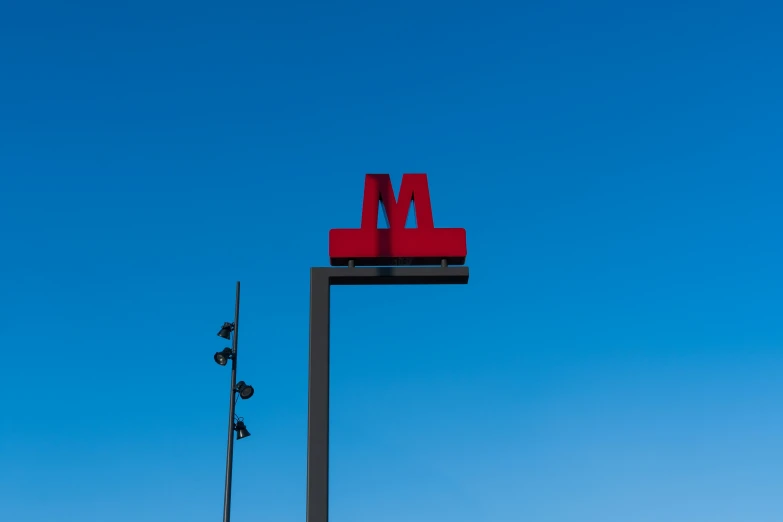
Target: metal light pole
<point x="238" y="390"/>
<point x="231" y="406"/>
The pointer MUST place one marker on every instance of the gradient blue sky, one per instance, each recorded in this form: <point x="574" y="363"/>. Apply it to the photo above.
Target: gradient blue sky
<point x="616" y="356"/>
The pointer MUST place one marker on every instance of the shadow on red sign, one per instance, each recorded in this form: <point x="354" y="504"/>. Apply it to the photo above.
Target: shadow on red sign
<point x="397" y="245"/>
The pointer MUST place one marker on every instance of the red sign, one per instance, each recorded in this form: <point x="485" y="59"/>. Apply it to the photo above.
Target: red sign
<point x="396" y="245"/>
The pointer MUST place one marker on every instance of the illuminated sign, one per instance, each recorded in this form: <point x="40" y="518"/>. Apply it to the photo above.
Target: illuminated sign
<point x="397" y="245"/>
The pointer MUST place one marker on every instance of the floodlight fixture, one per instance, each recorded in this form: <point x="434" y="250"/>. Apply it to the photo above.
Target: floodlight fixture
<point x="245" y="390"/>
<point x="222" y="357"/>
<point x="225" y="332"/>
<point x="241" y="430"/>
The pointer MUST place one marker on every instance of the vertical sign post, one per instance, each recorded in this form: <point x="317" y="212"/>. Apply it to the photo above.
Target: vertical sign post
<point x="368" y="247"/>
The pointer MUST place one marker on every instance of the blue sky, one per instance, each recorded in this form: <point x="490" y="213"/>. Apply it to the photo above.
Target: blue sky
<point x="616" y="356"/>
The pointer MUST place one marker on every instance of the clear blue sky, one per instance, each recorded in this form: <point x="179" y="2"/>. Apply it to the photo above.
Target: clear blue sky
<point x="616" y="356"/>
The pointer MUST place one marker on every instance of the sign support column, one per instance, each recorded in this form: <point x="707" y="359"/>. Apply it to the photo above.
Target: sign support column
<point x="321" y="281"/>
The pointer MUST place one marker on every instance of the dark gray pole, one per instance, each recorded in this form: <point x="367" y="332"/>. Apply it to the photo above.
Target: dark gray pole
<point x="232" y="403"/>
<point x="321" y="280"/>
<point x="318" y="399"/>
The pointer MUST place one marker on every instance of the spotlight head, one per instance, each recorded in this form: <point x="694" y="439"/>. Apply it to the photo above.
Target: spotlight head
<point x="241" y="430"/>
<point x="222" y="357"/>
<point x="245" y="390"/>
<point x="225" y="332"/>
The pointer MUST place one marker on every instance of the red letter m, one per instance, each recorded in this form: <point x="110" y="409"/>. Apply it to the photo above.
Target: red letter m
<point x="423" y="245"/>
